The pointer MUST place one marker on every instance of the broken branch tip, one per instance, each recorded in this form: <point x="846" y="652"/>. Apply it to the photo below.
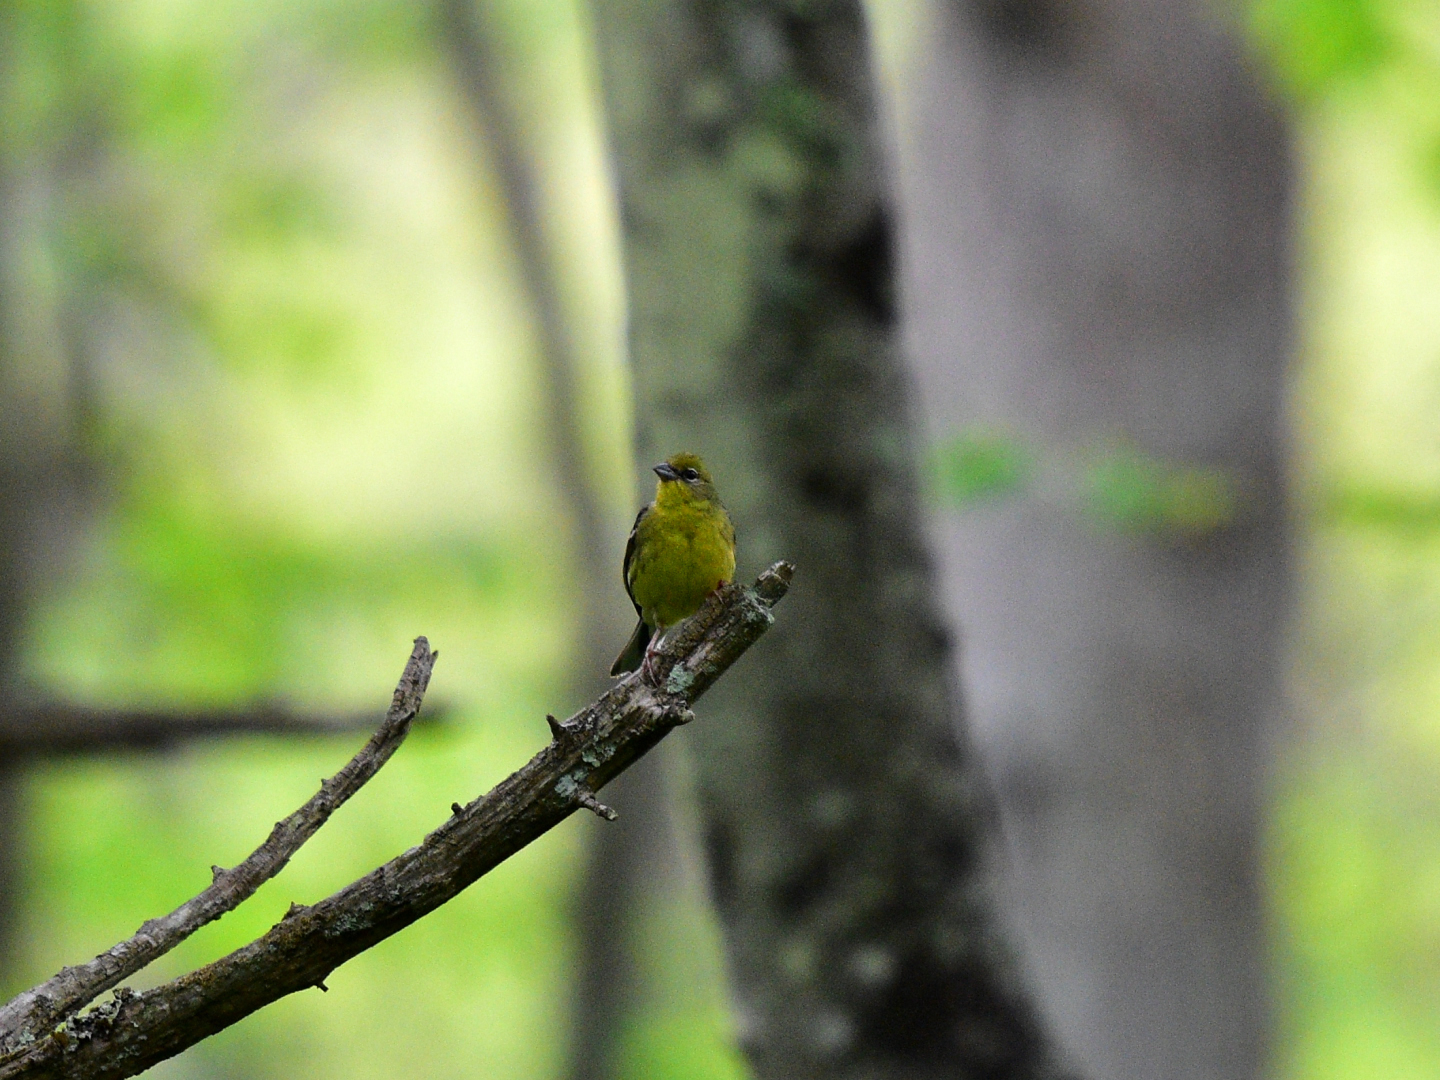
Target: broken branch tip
<point x="587" y="799"/>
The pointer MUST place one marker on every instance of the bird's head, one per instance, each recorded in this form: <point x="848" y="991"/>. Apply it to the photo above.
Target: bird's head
<point x="685" y="476"/>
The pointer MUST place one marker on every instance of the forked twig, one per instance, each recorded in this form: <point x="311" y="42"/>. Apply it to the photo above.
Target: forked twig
<point x="134" y="1031"/>
<point x="62" y="995"/>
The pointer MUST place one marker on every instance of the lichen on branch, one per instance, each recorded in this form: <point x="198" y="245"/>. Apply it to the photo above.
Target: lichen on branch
<point x="134" y="1031"/>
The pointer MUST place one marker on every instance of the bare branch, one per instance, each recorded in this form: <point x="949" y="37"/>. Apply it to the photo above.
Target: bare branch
<point x="134" y="1031"/>
<point x="59" y="997"/>
<point x="35" y="729"/>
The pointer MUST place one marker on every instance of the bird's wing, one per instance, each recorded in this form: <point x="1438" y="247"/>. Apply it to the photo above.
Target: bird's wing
<point x="727" y="527"/>
<point x="630" y="556"/>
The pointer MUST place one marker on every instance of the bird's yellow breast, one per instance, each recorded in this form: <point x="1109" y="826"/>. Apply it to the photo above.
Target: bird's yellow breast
<point x="684" y="550"/>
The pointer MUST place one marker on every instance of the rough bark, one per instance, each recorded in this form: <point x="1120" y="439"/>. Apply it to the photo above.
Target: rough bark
<point x="845" y="819"/>
<point x="33" y="730"/>
<point x="134" y="1031"/>
<point x="1096" y="212"/>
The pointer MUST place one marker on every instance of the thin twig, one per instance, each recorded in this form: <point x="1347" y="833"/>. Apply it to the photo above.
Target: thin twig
<point x="62" y="995"/>
<point x="134" y="1031"/>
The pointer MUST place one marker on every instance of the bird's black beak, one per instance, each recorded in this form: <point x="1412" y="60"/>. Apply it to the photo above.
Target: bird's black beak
<point x="665" y="472"/>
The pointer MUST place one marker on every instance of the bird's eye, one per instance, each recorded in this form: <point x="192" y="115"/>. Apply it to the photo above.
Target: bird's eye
<point x="690" y="474"/>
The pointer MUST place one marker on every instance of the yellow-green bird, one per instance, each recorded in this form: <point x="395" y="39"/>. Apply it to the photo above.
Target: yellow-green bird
<point x="681" y="549"/>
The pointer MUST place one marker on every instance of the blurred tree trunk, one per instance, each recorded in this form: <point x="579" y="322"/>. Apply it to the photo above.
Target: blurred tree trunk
<point x="846" y="836"/>
<point x="622" y="856"/>
<point x="477" y="57"/>
<point x="1097" y="205"/>
<point x="30" y="480"/>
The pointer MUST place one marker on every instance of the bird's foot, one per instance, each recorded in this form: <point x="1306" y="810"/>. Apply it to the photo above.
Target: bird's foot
<point x="647" y="672"/>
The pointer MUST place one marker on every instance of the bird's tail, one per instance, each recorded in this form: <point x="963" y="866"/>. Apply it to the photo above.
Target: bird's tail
<point x="634" y="651"/>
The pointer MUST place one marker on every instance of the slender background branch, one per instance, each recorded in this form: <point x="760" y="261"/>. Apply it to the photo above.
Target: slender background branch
<point x="33" y="729"/>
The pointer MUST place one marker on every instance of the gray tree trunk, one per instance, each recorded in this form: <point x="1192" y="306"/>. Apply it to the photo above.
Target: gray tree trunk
<point x="846" y="833"/>
<point x="1095" y="236"/>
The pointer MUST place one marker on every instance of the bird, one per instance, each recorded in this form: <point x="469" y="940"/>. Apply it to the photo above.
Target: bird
<point x="681" y="549"/>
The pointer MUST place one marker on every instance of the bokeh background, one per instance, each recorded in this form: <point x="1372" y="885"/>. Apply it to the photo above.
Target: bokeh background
<point x="274" y="371"/>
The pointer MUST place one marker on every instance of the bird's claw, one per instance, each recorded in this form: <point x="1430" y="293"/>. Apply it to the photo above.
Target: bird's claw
<point x="647" y="671"/>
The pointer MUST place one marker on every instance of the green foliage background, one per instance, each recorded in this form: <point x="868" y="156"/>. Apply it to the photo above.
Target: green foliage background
<point x="267" y="291"/>
<point x="265" y="287"/>
<point x="1355" y="837"/>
